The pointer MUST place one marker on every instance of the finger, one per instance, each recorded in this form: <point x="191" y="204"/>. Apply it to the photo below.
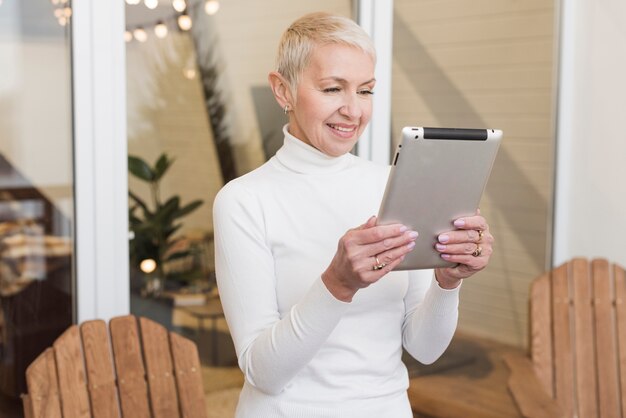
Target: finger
<point x="375" y="275"/>
<point x="471" y="222"/>
<point x="464" y="236"/>
<point x="369" y="223"/>
<point x="465" y="249"/>
<point x="389" y="244"/>
<point x="378" y="233"/>
<point x="389" y="256"/>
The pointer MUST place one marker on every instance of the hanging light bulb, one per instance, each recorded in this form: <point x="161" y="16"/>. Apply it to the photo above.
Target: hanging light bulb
<point x="148" y="265"/>
<point x="132" y="2"/>
<point x="211" y="7"/>
<point x="189" y="73"/>
<point x="140" y="35"/>
<point x="179" y="5"/>
<point x="58" y="13"/>
<point x="128" y="36"/>
<point x="62" y="21"/>
<point x="151" y="4"/>
<point x="67" y="11"/>
<point x="160" y="30"/>
<point x="55" y="2"/>
<point x="184" y="22"/>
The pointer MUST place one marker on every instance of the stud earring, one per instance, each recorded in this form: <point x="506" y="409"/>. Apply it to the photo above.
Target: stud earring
<point x="286" y="109"/>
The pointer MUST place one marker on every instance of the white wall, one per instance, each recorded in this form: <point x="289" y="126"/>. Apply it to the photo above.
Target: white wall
<point x="590" y="217"/>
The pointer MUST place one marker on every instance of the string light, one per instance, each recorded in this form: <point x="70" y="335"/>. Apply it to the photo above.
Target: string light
<point x="140" y="35"/>
<point x="148" y="265"/>
<point x="151" y="4"/>
<point x="189" y="73"/>
<point x="184" y="22"/>
<point x="160" y="30"/>
<point x="211" y="7"/>
<point x="179" y="5"/>
<point x="128" y="36"/>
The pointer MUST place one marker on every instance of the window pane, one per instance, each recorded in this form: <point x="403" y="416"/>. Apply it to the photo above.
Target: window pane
<point x="488" y="64"/>
<point x="202" y="97"/>
<point x="36" y="186"/>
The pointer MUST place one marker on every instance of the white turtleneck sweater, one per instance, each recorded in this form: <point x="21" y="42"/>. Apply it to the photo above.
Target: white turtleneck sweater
<point x="303" y="352"/>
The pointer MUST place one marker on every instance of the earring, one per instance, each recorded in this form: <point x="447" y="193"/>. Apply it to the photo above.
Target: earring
<point x="286" y="109"/>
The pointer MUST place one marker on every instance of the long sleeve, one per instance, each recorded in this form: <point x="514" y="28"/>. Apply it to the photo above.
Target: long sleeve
<point x="431" y="317"/>
<point x="271" y="350"/>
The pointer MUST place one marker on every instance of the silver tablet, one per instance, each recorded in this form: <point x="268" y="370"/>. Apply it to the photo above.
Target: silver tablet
<point x="437" y="176"/>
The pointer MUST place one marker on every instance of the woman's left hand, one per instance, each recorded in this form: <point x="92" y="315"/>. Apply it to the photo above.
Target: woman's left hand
<point x="470" y="245"/>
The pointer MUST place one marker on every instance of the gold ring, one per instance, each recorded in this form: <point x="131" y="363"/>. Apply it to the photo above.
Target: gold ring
<point x="480" y="235"/>
<point x="378" y="265"/>
<point x="478" y="251"/>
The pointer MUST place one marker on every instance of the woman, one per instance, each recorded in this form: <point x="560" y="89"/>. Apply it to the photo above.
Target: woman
<point x="316" y="312"/>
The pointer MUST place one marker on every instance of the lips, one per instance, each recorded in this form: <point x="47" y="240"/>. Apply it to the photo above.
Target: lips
<point x="342" y="129"/>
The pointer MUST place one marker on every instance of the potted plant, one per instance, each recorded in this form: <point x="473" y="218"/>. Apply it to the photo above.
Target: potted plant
<point x="154" y="224"/>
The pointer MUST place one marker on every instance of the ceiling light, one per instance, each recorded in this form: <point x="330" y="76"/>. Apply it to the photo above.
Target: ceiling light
<point x="184" y="22"/>
<point x="151" y="4"/>
<point x="211" y="7"/>
<point x="160" y="30"/>
<point x="140" y="35"/>
<point x="179" y="5"/>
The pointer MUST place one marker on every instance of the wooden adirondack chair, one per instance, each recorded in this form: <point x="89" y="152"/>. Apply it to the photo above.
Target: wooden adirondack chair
<point x="142" y="370"/>
<point x="578" y="344"/>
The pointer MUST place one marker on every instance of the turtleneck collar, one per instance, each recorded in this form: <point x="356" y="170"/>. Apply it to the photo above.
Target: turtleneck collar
<point x="305" y="159"/>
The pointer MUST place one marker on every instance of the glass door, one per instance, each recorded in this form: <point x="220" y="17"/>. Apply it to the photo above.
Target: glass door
<point x="36" y="186"/>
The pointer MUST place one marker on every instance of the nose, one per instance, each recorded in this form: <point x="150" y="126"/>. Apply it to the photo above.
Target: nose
<point x="351" y="108"/>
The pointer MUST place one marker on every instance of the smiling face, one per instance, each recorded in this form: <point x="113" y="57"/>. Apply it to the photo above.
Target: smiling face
<point x="333" y="103"/>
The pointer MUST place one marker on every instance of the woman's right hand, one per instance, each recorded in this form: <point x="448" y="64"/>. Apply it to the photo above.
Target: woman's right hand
<point x="360" y="250"/>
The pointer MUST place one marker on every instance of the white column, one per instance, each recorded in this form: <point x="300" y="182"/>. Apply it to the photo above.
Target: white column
<point x="590" y="193"/>
<point x="376" y="17"/>
<point x="100" y="155"/>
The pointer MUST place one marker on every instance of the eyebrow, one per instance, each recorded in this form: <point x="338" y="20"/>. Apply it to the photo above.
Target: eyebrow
<point x="344" y="81"/>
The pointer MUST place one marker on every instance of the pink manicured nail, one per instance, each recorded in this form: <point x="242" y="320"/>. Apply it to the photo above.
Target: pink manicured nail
<point x="459" y="223"/>
<point x="444" y="238"/>
<point x="440" y="247"/>
<point x="410" y="245"/>
<point x="446" y="256"/>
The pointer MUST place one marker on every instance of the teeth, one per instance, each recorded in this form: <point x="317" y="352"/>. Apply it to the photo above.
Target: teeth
<point x="341" y="129"/>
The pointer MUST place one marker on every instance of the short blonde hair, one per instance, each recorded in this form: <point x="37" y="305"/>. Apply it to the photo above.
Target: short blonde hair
<point x="298" y="41"/>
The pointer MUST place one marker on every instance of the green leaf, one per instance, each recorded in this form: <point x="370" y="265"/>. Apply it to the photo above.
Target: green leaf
<point x="177" y="255"/>
<point x="138" y="200"/>
<point x="187" y="209"/>
<point x="161" y="166"/>
<point x="140" y="169"/>
<point x="167" y="210"/>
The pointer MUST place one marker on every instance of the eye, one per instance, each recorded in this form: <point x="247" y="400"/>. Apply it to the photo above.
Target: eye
<point x="331" y="90"/>
<point x="366" y="92"/>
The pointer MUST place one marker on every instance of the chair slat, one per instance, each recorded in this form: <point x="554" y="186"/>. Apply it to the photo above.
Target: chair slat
<point x="586" y="383"/>
<point x="541" y="332"/>
<point x="606" y="348"/>
<point x="620" y="302"/>
<point x="43" y="389"/>
<point x="100" y="375"/>
<point x="158" y="358"/>
<point x="28" y="407"/>
<point x="188" y="377"/>
<point x="563" y="355"/>
<point x="72" y="378"/>
<point x="131" y="375"/>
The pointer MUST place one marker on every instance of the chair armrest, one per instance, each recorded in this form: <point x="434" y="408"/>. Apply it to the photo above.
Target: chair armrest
<point x="531" y="399"/>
